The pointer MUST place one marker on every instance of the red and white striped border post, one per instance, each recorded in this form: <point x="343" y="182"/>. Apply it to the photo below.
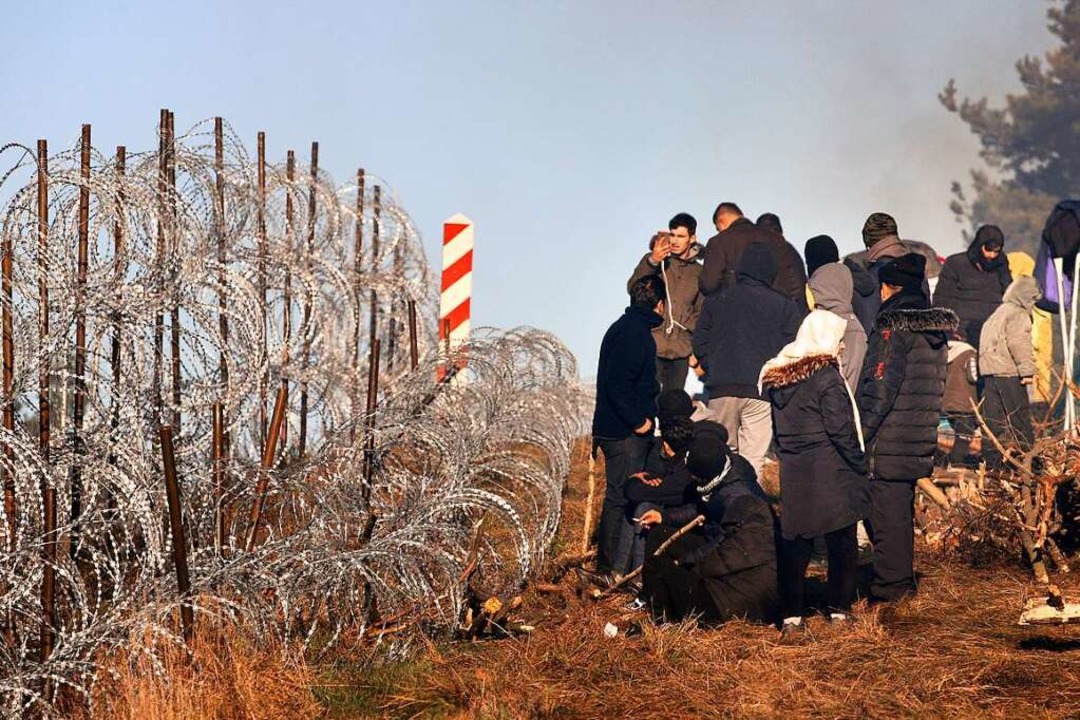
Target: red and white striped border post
<point x="455" y="303"/>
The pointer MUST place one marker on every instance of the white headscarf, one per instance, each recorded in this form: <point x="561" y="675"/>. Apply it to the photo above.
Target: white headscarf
<point x="821" y="333"/>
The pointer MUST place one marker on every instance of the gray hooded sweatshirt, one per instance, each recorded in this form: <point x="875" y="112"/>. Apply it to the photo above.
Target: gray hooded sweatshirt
<point x="832" y="286"/>
<point x="1005" y="345"/>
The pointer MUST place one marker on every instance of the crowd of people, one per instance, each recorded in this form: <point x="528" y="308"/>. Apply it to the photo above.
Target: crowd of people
<point x="839" y="370"/>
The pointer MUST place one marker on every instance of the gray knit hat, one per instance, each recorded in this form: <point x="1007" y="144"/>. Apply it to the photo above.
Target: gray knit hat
<point x="878" y="226"/>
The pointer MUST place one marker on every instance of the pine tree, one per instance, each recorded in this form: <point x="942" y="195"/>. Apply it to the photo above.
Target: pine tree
<point x="1031" y="145"/>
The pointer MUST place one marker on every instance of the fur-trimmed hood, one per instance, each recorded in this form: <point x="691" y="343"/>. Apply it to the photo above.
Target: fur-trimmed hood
<point x="918" y="320"/>
<point x="797" y="371"/>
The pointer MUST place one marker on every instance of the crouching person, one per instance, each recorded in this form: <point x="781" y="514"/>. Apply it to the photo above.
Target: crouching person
<point x="824" y="491"/>
<point x="727" y="568"/>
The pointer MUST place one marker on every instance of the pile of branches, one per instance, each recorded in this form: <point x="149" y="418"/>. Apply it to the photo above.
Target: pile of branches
<point x="210" y="286"/>
<point x="1029" y="509"/>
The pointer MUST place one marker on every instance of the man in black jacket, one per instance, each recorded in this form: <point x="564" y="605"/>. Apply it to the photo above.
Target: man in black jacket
<point x="724" y="251"/>
<point x="972" y="283"/>
<point x="900" y="390"/>
<point x="626" y="390"/>
<point x="739" y="329"/>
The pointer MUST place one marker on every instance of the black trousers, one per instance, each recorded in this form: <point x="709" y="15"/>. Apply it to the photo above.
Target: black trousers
<point x="843" y="549"/>
<point x="622" y="458"/>
<point x="1008" y="415"/>
<point x="672" y="373"/>
<point x="963" y="425"/>
<point x="892" y="530"/>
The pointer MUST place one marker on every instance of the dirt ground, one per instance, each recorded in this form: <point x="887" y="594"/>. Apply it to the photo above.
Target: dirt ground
<point x="954" y="650"/>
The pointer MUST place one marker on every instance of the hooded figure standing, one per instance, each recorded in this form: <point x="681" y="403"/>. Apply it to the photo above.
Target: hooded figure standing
<point x="739" y="329"/>
<point x="821" y="250"/>
<point x="823" y="486"/>
<point x="972" y="283"/>
<point x="832" y="287"/>
<point x="900" y="391"/>
<point x="1007" y="363"/>
<point x="674" y="256"/>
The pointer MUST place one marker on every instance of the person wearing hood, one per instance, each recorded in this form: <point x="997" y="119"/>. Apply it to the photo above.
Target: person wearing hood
<point x="972" y="283"/>
<point x="832" y="287"/>
<point x="727" y="568"/>
<point x="625" y="412"/>
<point x="724" y="251"/>
<point x="675" y="256"/>
<point x="1007" y="363"/>
<point x="821" y="250"/>
<point x="899" y="401"/>
<point x="823" y="485"/>
<point x="739" y="329"/>
<point x="881" y="236"/>
<point x="961" y="381"/>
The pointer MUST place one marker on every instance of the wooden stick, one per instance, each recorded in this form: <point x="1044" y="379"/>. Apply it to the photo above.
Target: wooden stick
<point x="586" y="533"/>
<point x="699" y="520"/>
<point x="932" y="491"/>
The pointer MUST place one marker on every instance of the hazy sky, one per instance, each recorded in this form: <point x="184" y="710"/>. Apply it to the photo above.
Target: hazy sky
<point x="568" y="131"/>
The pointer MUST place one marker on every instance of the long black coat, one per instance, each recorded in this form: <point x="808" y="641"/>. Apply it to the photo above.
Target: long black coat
<point x="626" y="384"/>
<point x="972" y="287"/>
<point x="823" y="485"/>
<point x="901" y="386"/>
<point x="737" y="556"/>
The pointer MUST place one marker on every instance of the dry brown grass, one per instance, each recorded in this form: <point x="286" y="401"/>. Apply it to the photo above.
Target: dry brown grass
<point x="225" y="675"/>
<point x="953" y="651"/>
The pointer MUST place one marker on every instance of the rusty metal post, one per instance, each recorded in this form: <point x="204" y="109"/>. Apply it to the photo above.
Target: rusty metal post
<point x="369" y="452"/>
<point x="264" y="379"/>
<point x="48" y="492"/>
<point x="358" y="274"/>
<point x="118" y="272"/>
<point x="6" y="269"/>
<point x="414" y="345"/>
<point x="305" y="326"/>
<point x="219" y="455"/>
<point x="158" y="381"/>
<point x="174" y="324"/>
<point x="75" y="474"/>
<point x="369" y="419"/>
<point x="219" y="202"/>
<point x="376" y="217"/>
<point x="269" y="453"/>
<point x="176" y="526"/>
<point x="290" y="176"/>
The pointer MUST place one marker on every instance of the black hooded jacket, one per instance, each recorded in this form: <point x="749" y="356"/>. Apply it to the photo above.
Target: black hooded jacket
<point x="626" y="385"/>
<point x="901" y="386"/>
<point x="822" y="468"/>
<point x="739" y="526"/>
<point x="743" y="326"/>
<point x="865" y="295"/>
<point x="972" y="287"/>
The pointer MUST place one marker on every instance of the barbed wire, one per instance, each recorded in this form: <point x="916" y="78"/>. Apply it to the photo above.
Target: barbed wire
<point x="374" y="520"/>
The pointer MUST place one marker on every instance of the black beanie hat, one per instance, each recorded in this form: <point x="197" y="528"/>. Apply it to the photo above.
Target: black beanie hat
<point x="708" y="450"/>
<point x="770" y="221"/>
<point x="673" y="403"/>
<point x="907" y="271"/>
<point x="820" y="250"/>
<point x="989" y="236"/>
<point x="878" y="226"/>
